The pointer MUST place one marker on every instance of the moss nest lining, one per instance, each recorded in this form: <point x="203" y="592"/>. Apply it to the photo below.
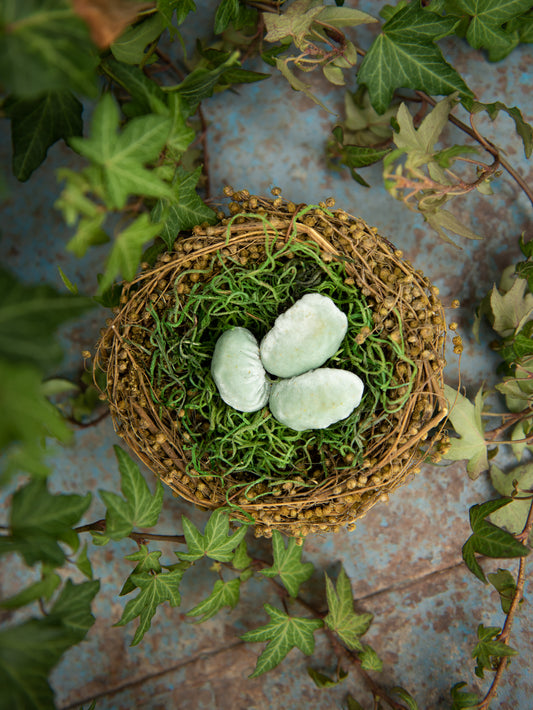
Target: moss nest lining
<point x="245" y="271"/>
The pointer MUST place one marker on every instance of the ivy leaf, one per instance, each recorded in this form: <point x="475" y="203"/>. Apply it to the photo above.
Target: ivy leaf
<point x="370" y="661"/>
<point x="83" y="562"/>
<point x="127" y="251"/>
<point x="42" y="589"/>
<point x="227" y="12"/>
<point x="38" y="520"/>
<point x="321" y="680"/>
<point x="215" y="543"/>
<point x="29" y="651"/>
<point x="201" y="82"/>
<point x="147" y="561"/>
<point x="283" y="632"/>
<point x="26" y="419"/>
<point x="45" y="47"/>
<point x="441" y="219"/>
<point x="181" y="8"/>
<point x="296" y="83"/>
<point x="288" y="565"/>
<point x="37" y="123"/>
<point x="512" y="310"/>
<point x="513" y="516"/>
<point x="405" y="56"/>
<point x="29" y="315"/>
<point x="184" y="209"/>
<point x="131" y="45"/>
<point x="295" y="22"/>
<point x="341" y="617"/>
<point x="485" y="30"/>
<point x="504" y="583"/>
<point x="139" y="508"/>
<point x="154" y="590"/>
<point x="462" y="700"/>
<point x="120" y="158"/>
<point x="465" y="418"/>
<point x="148" y="96"/>
<point x="241" y="559"/>
<point x="489" y="649"/>
<point x="523" y="129"/>
<point x="223" y="594"/>
<point x="407" y="698"/>
<point x="489" y="540"/>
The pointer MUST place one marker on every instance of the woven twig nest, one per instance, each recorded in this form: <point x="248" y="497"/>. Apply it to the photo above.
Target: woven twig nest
<point x="244" y="271"/>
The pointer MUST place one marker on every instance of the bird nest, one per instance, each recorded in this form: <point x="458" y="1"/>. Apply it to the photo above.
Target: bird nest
<point x="244" y="271"/>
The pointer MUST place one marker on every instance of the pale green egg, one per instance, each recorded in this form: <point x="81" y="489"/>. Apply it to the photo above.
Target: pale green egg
<point x="316" y="399"/>
<point x="237" y="371"/>
<point x="303" y="337"/>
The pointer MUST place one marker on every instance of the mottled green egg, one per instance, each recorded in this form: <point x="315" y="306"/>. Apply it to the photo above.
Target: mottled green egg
<point x="315" y="399"/>
<point x="237" y="371"/>
<point x="303" y="337"/>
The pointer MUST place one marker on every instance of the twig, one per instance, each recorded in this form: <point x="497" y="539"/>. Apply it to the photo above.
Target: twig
<point x="506" y="631"/>
<point x="139" y="537"/>
<point x="203" y="138"/>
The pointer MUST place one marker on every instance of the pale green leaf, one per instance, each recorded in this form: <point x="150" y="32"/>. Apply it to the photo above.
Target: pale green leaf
<point x="282" y="633"/>
<point x="297" y="84"/>
<point x="511" y="310"/>
<point x="154" y="590"/>
<point x="505" y="584"/>
<point x="295" y="22"/>
<point x="131" y="45"/>
<point x="127" y="250"/>
<point x="241" y="558"/>
<point x="442" y="219"/>
<point x="341" y="617"/>
<point x="465" y="418"/>
<point x="287" y="564"/>
<point x="513" y="516"/>
<point x="405" y="55"/>
<point x="370" y="661"/>
<point x="344" y="16"/>
<point x="223" y="594"/>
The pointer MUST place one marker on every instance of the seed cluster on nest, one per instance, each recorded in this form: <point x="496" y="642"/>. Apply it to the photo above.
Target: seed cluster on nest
<point x="155" y="353"/>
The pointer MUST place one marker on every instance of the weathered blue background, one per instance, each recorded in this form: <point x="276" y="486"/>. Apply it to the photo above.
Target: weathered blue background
<point x="404" y="559"/>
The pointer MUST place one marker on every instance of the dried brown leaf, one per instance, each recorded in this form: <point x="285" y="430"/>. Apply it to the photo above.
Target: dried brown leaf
<point x="107" y="19"/>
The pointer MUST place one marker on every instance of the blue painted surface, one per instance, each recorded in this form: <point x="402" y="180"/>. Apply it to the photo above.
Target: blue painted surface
<point x="404" y="557"/>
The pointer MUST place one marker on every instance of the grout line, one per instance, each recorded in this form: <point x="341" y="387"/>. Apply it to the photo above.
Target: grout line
<point x="156" y="674"/>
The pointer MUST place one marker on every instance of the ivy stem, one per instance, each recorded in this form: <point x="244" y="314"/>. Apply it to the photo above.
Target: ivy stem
<point x="506" y="631"/>
<point x="510" y="421"/>
<point x="139" y="537"/>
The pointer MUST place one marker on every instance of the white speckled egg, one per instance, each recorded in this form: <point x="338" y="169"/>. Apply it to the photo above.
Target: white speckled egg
<point x="316" y="399"/>
<point x="237" y="371"/>
<point x="303" y="337"/>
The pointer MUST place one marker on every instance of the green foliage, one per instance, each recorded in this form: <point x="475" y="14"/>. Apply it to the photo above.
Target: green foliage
<point x="489" y="649"/>
<point x="287" y="564"/>
<point x="462" y="699"/>
<point x="488" y="539"/>
<point x="405" y="56"/>
<point x="223" y="594"/>
<point x="465" y="418"/>
<point x="29" y="316"/>
<point x="341" y="617"/>
<point x="139" y="507"/>
<point x="283" y="632"/>
<point x="504" y="583"/>
<point x="37" y="123"/>
<point x="45" y="48"/>
<point x="30" y="650"/>
<point x="513" y="516"/>
<point x="38" y="520"/>
<point x="215" y="542"/>
<point x="370" y="661"/>
<point x="184" y="210"/>
<point x="321" y="680"/>
<point x="154" y="590"/>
